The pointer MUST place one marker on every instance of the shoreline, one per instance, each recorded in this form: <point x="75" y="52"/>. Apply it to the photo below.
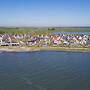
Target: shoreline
<point x="32" y="49"/>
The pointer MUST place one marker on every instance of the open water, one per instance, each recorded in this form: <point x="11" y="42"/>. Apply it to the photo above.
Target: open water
<point x="45" y="71"/>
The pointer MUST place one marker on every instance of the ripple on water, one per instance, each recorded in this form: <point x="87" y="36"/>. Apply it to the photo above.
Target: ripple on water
<point x="45" y="71"/>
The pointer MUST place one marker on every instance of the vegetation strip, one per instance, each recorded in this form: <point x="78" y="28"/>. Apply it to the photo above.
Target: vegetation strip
<point x="31" y="49"/>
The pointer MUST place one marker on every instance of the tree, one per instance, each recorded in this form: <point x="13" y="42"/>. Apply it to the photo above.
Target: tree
<point x="51" y="28"/>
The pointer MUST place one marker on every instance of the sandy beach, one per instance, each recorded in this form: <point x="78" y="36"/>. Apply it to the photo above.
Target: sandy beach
<point x="30" y="49"/>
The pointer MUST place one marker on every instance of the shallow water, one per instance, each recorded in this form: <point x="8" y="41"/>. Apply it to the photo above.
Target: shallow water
<point x="45" y="71"/>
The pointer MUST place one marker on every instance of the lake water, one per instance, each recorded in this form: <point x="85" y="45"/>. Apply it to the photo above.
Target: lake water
<point x="85" y="28"/>
<point x="45" y="71"/>
<point x="70" y="33"/>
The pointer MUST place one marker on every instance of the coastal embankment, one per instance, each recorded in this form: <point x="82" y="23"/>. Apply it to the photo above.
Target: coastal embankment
<point x="31" y="49"/>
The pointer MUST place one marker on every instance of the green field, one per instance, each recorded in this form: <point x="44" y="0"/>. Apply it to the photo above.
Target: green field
<point x="38" y="30"/>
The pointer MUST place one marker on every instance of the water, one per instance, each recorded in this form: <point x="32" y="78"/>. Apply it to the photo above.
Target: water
<point x="45" y="71"/>
<point x="85" y="28"/>
<point x="70" y="33"/>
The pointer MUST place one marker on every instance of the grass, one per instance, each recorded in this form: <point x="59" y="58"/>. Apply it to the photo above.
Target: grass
<point x="62" y="49"/>
<point x="36" y="31"/>
<point x="30" y="49"/>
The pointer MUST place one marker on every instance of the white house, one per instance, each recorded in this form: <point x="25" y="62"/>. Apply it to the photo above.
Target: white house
<point x="0" y="41"/>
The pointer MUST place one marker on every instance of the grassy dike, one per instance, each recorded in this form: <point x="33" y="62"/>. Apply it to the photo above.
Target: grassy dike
<point x="31" y="49"/>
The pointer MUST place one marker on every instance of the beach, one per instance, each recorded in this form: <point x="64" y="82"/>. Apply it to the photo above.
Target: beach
<point x="31" y="49"/>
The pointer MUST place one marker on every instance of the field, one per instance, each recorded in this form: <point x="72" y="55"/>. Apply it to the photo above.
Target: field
<point x="45" y="30"/>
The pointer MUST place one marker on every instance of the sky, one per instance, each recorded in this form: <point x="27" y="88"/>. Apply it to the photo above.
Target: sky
<point x="44" y="12"/>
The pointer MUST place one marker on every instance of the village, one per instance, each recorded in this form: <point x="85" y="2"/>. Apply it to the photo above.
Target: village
<point x="59" y="40"/>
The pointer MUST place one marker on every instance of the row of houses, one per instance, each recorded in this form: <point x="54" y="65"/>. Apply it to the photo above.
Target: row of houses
<point x="8" y="40"/>
<point x="45" y="40"/>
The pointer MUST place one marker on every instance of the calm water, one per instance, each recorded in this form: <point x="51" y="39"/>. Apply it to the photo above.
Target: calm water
<point x="70" y="33"/>
<point x="85" y="28"/>
<point x="45" y="71"/>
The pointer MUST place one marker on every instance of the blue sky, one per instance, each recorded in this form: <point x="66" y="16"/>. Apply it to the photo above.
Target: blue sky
<point x="44" y="12"/>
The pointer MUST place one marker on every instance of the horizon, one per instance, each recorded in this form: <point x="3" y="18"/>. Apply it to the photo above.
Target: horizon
<point x="46" y="13"/>
<point x="44" y="26"/>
